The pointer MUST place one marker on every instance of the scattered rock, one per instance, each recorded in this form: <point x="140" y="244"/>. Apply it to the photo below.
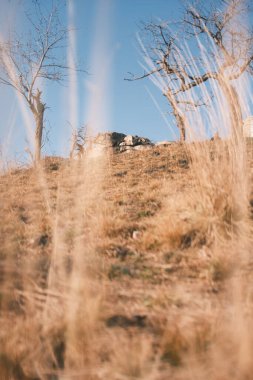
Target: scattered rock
<point x="120" y="174"/>
<point x="183" y="163"/>
<point x="192" y="238"/>
<point x="125" y="322"/>
<point x="43" y="240"/>
<point x="171" y="269"/>
<point x="187" y="239"/>
<point x="137" y="235"/>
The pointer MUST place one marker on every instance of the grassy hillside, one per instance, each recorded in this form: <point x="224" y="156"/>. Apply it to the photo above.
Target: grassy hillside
<point x="127" y="266"/>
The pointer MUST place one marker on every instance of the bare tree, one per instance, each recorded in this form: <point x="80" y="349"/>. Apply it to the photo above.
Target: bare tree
<point x="229" y="56"/>
<point x="223" y="26"/>
<point x="78" y="141"/>
<point x="26" y="61"/>
<point x="167" y="67"/>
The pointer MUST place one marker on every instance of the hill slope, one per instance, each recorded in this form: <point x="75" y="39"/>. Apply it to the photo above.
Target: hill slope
<point x="111" y="269"/>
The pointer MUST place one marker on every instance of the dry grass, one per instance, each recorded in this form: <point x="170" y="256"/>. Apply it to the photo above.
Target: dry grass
<point x="129" y="268"/>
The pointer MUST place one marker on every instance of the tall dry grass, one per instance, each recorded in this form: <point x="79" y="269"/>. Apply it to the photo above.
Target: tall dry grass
<point x="214" y="214"/>
<point x="52" y="313"/>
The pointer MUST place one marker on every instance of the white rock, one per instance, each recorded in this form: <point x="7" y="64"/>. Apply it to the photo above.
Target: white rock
<point x="129" y="140"/>
<point x="141" y="147"/>
<point x="164" y="143"/>
<point x="136" y="235"/>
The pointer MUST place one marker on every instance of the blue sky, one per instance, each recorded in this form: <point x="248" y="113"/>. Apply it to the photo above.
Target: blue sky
<point x="130" y="107"/>
<point x="106" y="44"/>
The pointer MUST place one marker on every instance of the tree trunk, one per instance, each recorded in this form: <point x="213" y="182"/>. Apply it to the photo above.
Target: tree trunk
<point x="235" y="112"/>
<point x="39" y="118"/>
<point x="181" y="122"/>
<point x="179" y="116"/>
<point x="38" y="109"/>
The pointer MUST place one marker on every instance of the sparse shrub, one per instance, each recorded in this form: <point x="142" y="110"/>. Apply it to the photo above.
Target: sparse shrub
<point x="173" y="347"/>
<point x="220" y="268"/>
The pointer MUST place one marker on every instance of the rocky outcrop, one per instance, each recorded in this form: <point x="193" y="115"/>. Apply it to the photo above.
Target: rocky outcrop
<point x="121" y="142"/>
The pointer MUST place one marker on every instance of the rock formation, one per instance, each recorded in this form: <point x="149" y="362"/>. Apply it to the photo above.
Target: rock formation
<point x="121" y="142"/>
<point x="118" y="142"/>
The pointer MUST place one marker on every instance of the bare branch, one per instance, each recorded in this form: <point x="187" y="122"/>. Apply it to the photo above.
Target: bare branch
<point x="145" y="75"/>
<point x="227" y="40"/>
<point x="242" y="69"/>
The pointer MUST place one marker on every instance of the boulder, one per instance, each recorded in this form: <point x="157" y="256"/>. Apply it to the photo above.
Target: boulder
<point x="131" y="140"/>
<point x="109" y="139"/>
